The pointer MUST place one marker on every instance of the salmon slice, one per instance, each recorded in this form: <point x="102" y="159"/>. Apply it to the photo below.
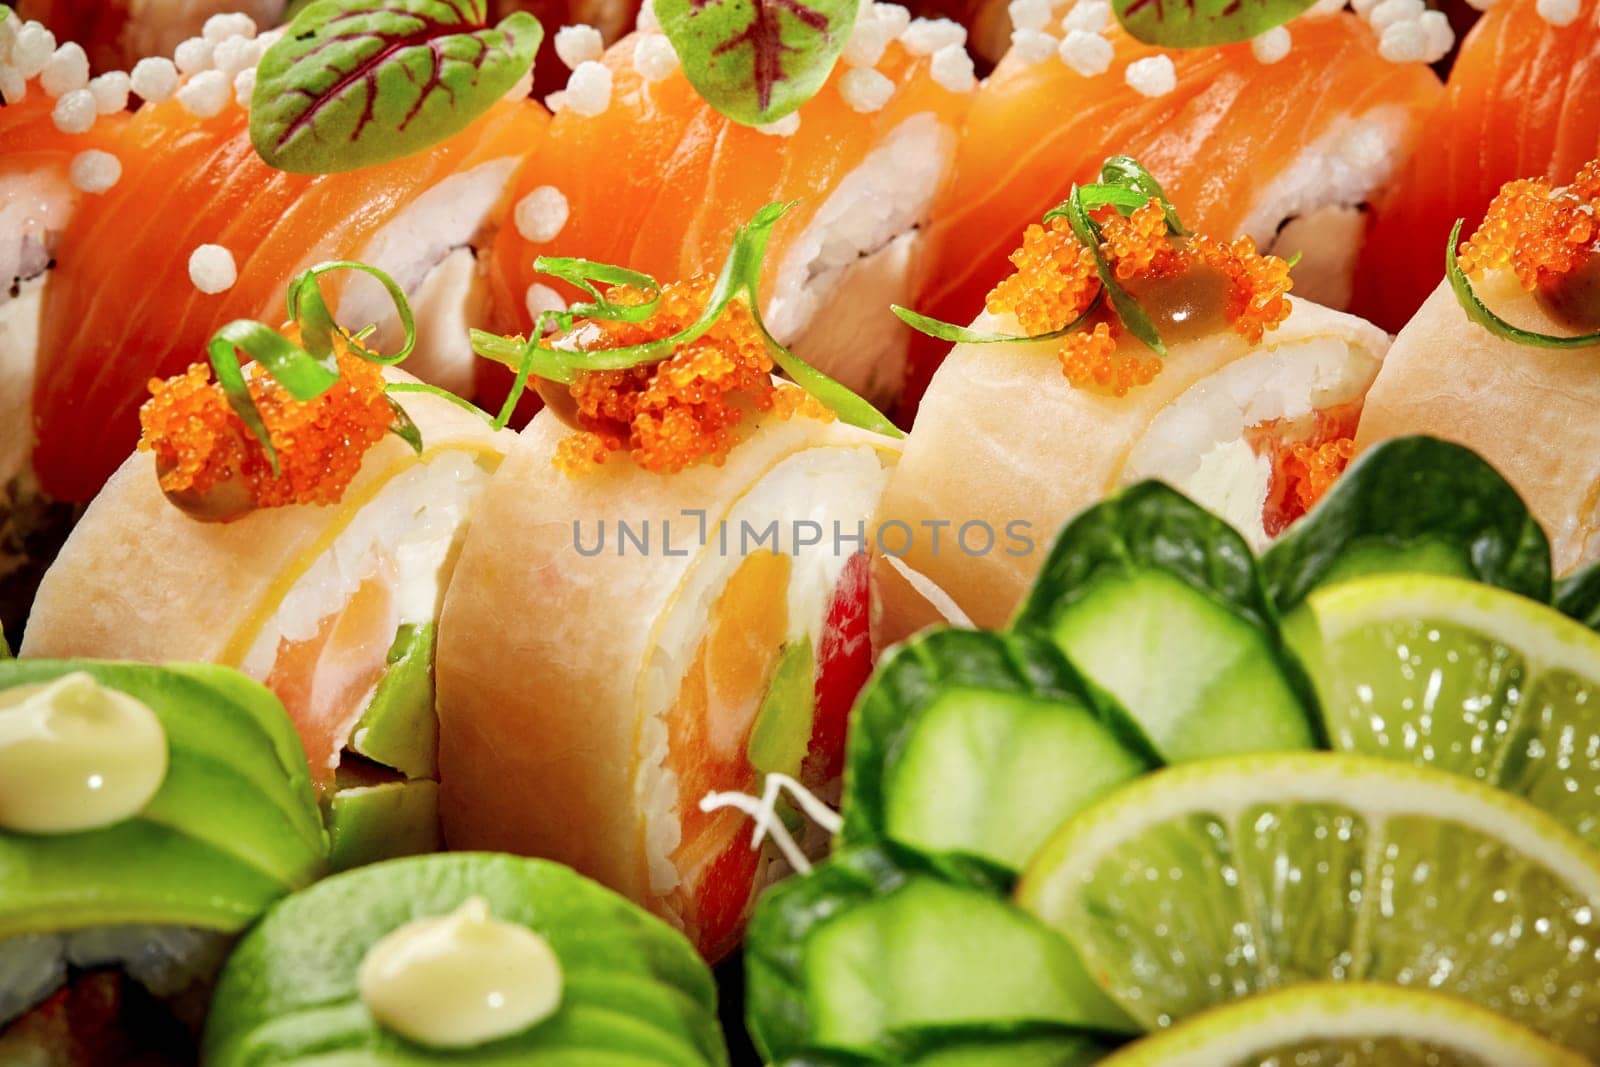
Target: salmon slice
<point x="1523" y="101"/>
<point x="1216" y="143"/>
<point x="659" y="182"/>
<point x="121" y="307"/>
<point x="326" y="680"/>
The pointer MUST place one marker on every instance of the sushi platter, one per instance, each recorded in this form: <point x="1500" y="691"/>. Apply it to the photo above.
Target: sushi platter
<point x="823" y="533"/>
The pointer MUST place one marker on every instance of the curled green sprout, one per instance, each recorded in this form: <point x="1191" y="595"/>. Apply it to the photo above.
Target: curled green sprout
<point x="738" y="279"/>
<point x="1124" y="185"/>
<point x="1479" y="312"/>
<point x="309" y="369"/>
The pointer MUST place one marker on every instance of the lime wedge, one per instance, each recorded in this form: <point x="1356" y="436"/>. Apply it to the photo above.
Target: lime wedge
<point x="1464" y="677"/>
<point x="1360" y="1022"/>
<point x="1206" y="883"/>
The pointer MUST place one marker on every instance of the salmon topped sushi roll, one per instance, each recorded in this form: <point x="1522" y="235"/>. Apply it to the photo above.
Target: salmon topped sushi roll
<point x="1522" y="101"/>
<point x="200" y="230"/>
<point x="116" y="34"/>
<point x="1282" y="147"/>
<point x="1123" y="347"/>
<point x="1501" y="357"/>
<point x="55" y="128"/>
<point x="641" y="171"/>
<point x="663" y="596"/>
<point x="304" y="542"/>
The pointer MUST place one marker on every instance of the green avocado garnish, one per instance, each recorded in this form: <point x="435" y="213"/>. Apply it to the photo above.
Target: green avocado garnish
<point x="383" y="821"/>
<point x="782" y="731"/>
<point x="399" y="729"/>
<point x="233" y="827"/>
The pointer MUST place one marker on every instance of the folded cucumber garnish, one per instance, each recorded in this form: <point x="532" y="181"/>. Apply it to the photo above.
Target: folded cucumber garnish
<point x="871" y="956"/>
<point x="1160" y="603"/>
<point x="632" y="990"/>
<point x="1414" y="504"/>
<point x="232" y="827"/>
<point x="957" y="748"/>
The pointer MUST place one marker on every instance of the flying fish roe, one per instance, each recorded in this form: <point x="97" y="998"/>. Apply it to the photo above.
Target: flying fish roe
<point x="1539" y="232"/>
<point x="203" y="449"/>
<point x="689" y="407"/>
<point x="1056" y="281"/>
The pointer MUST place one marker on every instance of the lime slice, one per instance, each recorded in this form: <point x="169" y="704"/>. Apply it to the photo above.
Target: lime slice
<point x="1464" y="677"/>
<point x="1209" y="882"/>
<point x="1357" y="1023"/>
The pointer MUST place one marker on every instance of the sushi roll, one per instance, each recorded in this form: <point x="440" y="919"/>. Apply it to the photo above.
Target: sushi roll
<point x="1501" y="357"/>
<point x="116" y="34"/>
<point x="1284" y="149"/>
<point x="1522" y="101"/>
<point x="316" y="567"/>
<point x="863" y="160"/>
<point x="54" y="128"/>
<point x="463" y="959"/>
<point x="1249" y="410"/>
<point x="663" y="595"/>
<point x="147" y="816"/>
<point x="200" y="230"/>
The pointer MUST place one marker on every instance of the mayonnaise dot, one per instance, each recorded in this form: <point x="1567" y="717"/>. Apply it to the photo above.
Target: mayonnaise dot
<point x="1152" y="76"/>
<point x="925" y="37"/>
<point x="110" y="92"/>
<point x="951" y="68"/>
<point x="1271" y="46"/>
<point x="462" y="979"/>
<point x="865" y="89"/>
<point x="212" y="269"/>
<point x="66" y="69"/>
<point x="784" y="127"/>
<point x="75" y="112"/>
<point x="1032" y="46"/>
<point x="76" y="755"/>
<point x="654" y="57"/>
<point x="578" y="44"/>
<point x="1089" y="54"/>
<point x="206" y="94"/>
<point x="193" y="55"/>
<point x="589" y="88"/>
<point x="154" y="79"/>
<point x="541" y="215"/>
<point x="95" y="171"/>
<point x="1091" y="16"/>
<point x="219" y="28"/>
<point x="541" y="298"/>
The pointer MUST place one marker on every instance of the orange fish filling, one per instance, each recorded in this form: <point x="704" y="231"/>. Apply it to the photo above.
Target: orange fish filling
<point x="1308" y="455"/>
<point x="708" y="739"/>
<point x="1539" y="232"/>
<point x="204" y="452"/>
<point x="1055" y="283"/>
<point x="689" y="407"/>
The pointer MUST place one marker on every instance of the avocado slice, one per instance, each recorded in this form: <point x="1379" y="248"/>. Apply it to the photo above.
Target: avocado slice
<point x="233" y="827"/>
<point x="375" y="815"/>
<point x="399" y="728"/>
<point x="782" y="731"/>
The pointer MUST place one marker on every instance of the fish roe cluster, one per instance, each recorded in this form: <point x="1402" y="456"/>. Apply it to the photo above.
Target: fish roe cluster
<point x="1312" y="468"/>
<point x="202" y="446"/>
<point x="685" y="409"/>
<point x="1538" y="231"/>
<point x="1056" y="281"/>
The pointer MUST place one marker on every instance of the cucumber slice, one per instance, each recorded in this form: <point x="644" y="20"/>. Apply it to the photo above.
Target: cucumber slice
<point x="973" y="744"/>
<point x="1159" y="602"/>
<point x="1413" y="504"/>
<point x="864" y="951"/>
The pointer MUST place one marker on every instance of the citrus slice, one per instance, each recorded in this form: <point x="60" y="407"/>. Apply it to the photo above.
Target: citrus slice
<point x="1464" y="677"/>
<point x="1355" y="1023"/>
<point x="1210" y="882"/>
